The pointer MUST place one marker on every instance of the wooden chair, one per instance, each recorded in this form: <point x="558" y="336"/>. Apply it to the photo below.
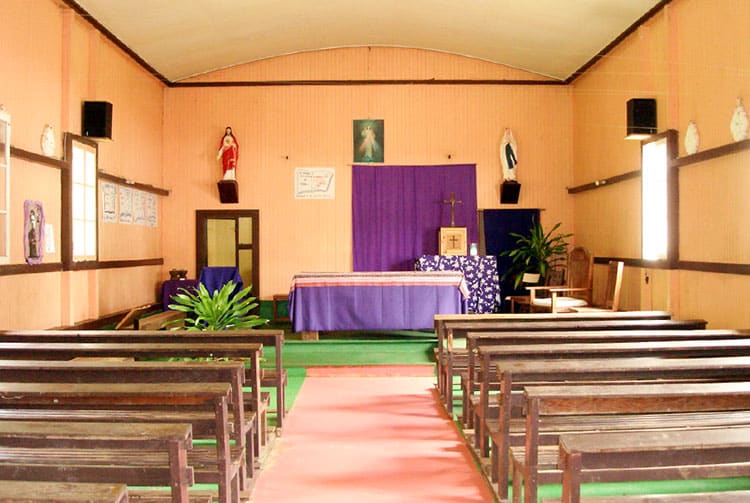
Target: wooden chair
<point x="612" y="289"/>
<point x="559" y="302"/>
<point x="580" y="274"/>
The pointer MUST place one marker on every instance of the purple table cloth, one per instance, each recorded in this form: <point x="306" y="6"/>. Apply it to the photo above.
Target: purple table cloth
<point x="480" y="273"/>
<point x="172" y="286"/>
<point x="374" y="300"/>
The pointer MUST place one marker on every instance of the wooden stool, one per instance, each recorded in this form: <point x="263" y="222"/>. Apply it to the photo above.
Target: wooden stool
<point x="275" y="307"/>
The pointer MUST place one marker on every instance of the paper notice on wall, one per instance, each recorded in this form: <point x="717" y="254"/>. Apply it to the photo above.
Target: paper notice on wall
<point x="126" y="205"/>
<point x="109" y="202"/>
<point x="314" y="183"/>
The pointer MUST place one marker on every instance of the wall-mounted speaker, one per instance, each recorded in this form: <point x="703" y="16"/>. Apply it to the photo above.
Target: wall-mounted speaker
<point x="641" y="118"/>
<point x="96" y="121"/>
<point x="509" y="192"/>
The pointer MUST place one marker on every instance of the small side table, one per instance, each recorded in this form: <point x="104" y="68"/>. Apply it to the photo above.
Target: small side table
<point x="279" y="297"/>
<point x="171" y="287"/>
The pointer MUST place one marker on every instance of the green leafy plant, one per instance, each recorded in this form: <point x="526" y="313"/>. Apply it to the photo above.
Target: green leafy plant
<point x="219" y="310"/>
<point x="538" y="252"/>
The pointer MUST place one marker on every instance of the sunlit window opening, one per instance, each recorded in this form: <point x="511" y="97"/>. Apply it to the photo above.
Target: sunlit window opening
<point x="84" y="202"/>
<point x="654" y="199"/>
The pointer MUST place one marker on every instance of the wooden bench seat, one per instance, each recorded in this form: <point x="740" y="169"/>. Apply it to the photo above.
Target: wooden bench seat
<point x="23" y="491"/>
<point x="631" y="456"/>
<point x="712" y="497"/>
<point x="227" y="462"/>
<point x="143" y="454"/>
<point x="615" y="399"/>
<point x="157" y="321"/>
<point x="158" y="496"/>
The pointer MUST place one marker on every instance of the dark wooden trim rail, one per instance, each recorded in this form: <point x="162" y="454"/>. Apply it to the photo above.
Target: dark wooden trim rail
<point x="103" y="175"/>
<point x="108" y="444"/>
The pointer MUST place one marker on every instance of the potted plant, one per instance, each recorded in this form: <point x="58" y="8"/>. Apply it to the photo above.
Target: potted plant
<point x="536" y="253"/>
<point x="222" y="310"/>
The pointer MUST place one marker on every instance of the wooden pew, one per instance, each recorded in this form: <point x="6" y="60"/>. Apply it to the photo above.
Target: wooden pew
<point x="712" y="497"/>
<point x="451" y="361"/>
<point x="515" y="374"/>
<point x="456" y="362"/>
<point x="275" y="377"/>
<point x="657" y="348"/>
<point x="142" y="454"/>
<point x="244" y="423"/>
<point x="485" y="342"/>
<point x="22" y="491"/>
<point x="652" y="455"/>
<point x="620" y="399"/>
<point x="222" y="466"/>
<point x="445" y="324"/>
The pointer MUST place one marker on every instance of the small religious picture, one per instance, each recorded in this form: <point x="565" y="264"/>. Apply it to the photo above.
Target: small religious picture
<point x="368" y="140"/>
<point x="33" y="231"/>
<point x="452" y="241"/>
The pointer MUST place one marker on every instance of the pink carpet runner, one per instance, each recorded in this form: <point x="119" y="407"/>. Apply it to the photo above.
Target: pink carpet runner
<point x="369" y="439"/>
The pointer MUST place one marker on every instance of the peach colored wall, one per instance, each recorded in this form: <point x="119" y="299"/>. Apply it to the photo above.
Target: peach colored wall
<point x="52" y="61"/>
<point x="689" y="59"/>
<point x="284" y="127"/>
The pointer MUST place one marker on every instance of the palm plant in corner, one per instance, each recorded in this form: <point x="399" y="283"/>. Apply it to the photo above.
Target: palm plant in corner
<point x="220" y="310"/>
<point x="537" y="253"/>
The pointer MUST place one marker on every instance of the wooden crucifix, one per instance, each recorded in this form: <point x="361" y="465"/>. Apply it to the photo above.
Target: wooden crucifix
<point x="453" y="201"/>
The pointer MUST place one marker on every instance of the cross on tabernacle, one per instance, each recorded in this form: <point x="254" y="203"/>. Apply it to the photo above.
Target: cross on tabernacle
<point x="453" y="201"/>
<point x="454" y="241"/>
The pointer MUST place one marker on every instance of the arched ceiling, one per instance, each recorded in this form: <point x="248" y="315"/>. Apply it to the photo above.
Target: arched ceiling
<point x="183" y="38"/>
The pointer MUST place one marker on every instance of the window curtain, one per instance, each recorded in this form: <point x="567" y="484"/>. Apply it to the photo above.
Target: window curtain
<point x="398" y="210"/>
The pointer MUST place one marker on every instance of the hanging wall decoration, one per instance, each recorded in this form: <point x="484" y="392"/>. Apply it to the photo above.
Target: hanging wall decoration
<point x="369" y="145"/>
<point x="740" y="124"/>
<point x="692" y="138"/>
<point x="33" y="242"/>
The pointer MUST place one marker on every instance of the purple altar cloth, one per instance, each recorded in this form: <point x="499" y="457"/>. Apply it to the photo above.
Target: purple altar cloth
<point x="374" y="300"/>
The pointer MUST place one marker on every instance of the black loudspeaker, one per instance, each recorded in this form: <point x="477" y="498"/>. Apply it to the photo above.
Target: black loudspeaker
<point x="641" y="117"/>
<point x="509" y="192"/>
<point x="96" y="121"/>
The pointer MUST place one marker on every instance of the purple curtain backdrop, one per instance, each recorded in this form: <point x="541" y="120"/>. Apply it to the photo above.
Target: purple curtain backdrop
<point x="398" y="210"/>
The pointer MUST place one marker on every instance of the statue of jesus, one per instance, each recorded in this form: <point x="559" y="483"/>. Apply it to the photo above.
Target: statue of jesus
<point x="228" y="152"/>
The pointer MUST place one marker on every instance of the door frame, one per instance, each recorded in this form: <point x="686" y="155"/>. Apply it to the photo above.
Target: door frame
<point x="201" y="233"/>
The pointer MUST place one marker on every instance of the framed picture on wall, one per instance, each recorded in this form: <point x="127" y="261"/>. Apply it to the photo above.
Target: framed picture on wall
<point x="368" y="140"/>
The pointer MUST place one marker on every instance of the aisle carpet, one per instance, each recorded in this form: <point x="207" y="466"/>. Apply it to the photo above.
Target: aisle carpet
<point x="373" y="439"/>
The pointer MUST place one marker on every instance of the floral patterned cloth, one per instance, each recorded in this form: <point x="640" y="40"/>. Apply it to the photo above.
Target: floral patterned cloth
<point x="480" y="273"/>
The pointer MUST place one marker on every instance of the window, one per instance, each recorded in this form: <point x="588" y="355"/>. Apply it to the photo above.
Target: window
<point x="658" y="198"/>
<point x="4" y="187"/>
<point x="80" y="202"/>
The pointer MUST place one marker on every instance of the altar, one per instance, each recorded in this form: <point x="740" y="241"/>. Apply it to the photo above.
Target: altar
<point x="374" y="300"/>
<point x="480" y="273"/>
